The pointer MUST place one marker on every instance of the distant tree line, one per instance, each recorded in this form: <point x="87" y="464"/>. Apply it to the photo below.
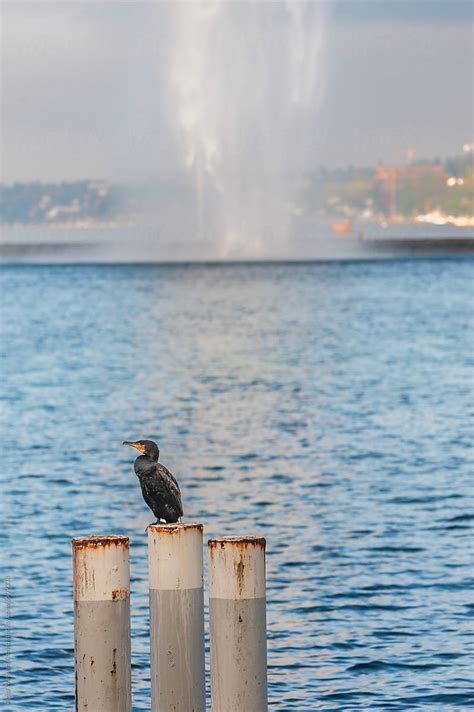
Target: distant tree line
<point x="405" y="190"/>
<point x="55" y="202"/>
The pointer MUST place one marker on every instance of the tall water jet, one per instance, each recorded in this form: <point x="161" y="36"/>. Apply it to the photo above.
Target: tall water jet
<point x="244" y="83"/>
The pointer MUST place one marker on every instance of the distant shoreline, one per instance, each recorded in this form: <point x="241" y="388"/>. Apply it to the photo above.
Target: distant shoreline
<point x="459" y="223"/>
<point x="335" y="250"/>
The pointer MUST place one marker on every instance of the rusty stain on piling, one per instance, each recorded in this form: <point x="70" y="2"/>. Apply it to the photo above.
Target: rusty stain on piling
<point x="173" y="528"/>
<point x="119" y="594"/>
<point x="239" y="571"/>
<point x="114" y="662"/>
<point x="241" y="542"/>
<point x="96" y="542"/>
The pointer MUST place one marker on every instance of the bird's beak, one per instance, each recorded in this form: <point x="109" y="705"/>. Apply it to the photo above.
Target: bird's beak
<point x="137" y="446"/>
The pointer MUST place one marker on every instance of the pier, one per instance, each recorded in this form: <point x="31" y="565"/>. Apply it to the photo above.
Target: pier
<point x="237" y="621"/>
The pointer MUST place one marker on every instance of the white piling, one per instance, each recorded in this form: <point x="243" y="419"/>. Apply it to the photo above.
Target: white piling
<point x="102" y="624"/>
<point x="237" y="614"/>
<point x="176" y="618"/>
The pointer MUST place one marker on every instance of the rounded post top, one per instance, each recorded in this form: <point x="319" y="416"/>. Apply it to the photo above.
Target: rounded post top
<point x="237" y="567"/>
<point x="175" y="556"/>
<point x="101" y="568"/>
<point x="97" y="542"/>
<point x="237" y="541"/>
<point x="173" y="528"/>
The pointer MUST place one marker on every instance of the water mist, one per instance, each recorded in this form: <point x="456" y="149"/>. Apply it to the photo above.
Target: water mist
<point x="244" y="83"/>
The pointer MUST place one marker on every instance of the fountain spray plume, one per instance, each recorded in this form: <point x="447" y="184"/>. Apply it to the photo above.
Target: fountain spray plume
<point x="245" y="84"/>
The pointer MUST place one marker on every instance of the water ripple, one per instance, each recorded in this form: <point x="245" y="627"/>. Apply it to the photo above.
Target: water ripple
<point x="324" y="406"/>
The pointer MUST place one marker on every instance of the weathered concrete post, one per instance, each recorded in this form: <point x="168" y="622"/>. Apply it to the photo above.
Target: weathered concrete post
<point x="176" y="618"/>
<point x="237" y="614"/>
<point x="102" y="623"/>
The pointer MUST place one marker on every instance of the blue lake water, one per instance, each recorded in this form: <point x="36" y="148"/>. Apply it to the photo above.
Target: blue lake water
<point x="324" y="406"/>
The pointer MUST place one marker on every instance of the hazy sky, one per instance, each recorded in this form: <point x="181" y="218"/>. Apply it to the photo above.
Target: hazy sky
<point x="86" y="93"/>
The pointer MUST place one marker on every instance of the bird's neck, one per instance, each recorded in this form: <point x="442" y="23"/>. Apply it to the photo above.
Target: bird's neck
<point x="147" y="458"/>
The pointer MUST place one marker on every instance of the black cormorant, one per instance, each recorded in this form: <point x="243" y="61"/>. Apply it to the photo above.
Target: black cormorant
<point x="159" y="488"/>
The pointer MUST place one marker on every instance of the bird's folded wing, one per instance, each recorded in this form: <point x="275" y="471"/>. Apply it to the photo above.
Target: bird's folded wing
<point x="172" y="487"/>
